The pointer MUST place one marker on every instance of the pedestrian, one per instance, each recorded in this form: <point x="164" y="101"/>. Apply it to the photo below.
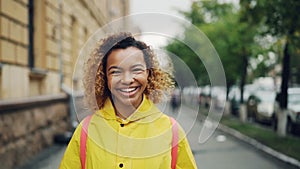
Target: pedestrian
<point x="175" y="101"/>
<point x="122" y="82"/>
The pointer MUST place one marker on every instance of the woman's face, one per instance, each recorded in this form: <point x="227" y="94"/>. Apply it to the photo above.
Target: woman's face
<point x="127" y="75"/>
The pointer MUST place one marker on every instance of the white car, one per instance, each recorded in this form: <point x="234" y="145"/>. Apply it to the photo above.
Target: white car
<point x="260" y="106"/>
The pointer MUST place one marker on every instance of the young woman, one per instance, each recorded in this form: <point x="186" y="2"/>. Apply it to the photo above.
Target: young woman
<point x="122" y="82"/>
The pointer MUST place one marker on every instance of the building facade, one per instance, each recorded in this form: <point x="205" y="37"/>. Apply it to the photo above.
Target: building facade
<point x="39" y="44"/>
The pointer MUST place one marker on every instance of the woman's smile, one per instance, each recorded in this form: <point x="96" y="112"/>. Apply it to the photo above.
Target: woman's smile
<point x="130" y="91"/>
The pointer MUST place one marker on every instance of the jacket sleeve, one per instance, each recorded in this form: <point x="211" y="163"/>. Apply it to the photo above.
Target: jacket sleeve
<point x="71" y="158"/>
<point x="185" y="159"/>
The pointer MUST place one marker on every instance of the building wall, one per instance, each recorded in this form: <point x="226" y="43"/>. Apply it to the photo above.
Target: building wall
<point x="58" y="37"/>
<point x="60" y="29"/>
<point x="13" y="49"/>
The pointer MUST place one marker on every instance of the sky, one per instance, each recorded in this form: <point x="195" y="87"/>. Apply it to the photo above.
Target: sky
<point x="162" y="6"/>
<point x="169" y="7"/>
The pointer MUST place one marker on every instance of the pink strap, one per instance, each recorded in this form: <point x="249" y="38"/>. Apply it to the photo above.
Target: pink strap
<point x="174" y="143"/>
<point x="83" y="138"/>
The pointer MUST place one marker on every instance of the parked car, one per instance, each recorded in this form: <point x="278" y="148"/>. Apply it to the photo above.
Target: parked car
<point x="234" y="96"/>
<point x="175" y="100"/>
<point x="218" y="95"/>
<point x="293" y="110"/>
<point x="205" y="96"/>
<point x="260" y="106"/>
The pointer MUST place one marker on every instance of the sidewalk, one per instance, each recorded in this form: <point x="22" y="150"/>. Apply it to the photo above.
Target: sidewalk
<point x="260" y="146"/>
<point x="256" y="144"/>
<point x="47" y="159"/>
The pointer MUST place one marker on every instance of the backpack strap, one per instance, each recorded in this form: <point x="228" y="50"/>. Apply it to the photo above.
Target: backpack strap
<point x="174" y="151"/>
<point x="83" y="138"/>
<point x="84" y="132"/>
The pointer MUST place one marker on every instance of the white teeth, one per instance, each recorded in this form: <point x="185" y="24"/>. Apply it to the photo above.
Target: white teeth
<point x="128" y="90"/>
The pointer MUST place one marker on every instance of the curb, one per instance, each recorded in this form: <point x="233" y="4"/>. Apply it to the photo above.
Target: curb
<point x="259" y="145"/>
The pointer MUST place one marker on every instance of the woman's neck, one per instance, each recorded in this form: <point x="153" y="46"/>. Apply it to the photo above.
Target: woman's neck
<point x="123" y="110"/>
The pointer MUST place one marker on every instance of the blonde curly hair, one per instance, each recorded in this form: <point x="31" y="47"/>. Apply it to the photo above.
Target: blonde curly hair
<point x="160" y="82"/>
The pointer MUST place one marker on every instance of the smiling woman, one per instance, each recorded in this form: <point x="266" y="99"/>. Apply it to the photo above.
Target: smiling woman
<point x="123" y="45"/>
<point x="127" y="76"/>
<point x="122" y="82"/>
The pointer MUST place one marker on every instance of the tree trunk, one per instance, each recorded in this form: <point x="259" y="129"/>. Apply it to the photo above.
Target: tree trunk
<point x="281" y="122"/>
<point x="243" y="110"/>
<point x="243" y="113"/>
<point x="285" y="77"/>
<point x="243" y="77"/>
<point x="227" y="108"/>
<point x="283" y="99"/>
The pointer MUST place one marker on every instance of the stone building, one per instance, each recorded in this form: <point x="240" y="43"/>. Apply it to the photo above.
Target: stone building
<point x="39" y="43"/>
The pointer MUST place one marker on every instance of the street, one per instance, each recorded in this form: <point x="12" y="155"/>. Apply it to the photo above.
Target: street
<point x="219" y="151"/>
<point x="226" y="152"/>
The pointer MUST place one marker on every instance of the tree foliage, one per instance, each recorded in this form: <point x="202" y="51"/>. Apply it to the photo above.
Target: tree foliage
<point x="281" y="19"/>
<point x="233" y="39"/>
<point x="238" y="36"/>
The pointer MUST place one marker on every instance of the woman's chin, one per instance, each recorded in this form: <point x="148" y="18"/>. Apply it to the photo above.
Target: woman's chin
<point x="126" y="101"/>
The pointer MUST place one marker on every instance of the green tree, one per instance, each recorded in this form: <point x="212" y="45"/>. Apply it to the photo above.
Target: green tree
<point x="280" y="19"/>
<point x="190" y="58"/>
<point x="230" y="35"/>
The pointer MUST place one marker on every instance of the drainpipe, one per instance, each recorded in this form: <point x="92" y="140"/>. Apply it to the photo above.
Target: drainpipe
<point x="31" y="34"/>
<point x="60" y="43"/>
<point x="65" y="88"/>
<point x="65" y="137"/>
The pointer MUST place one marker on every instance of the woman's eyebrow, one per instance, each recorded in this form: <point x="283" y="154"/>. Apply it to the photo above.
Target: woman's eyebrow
<point x="114" y="67"/>
<point x="137" y="65"/>
<point x="133" y="66"/>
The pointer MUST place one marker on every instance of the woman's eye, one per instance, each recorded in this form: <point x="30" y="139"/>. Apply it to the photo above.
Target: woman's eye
<point x="115" y="72"/>
<point x="138" y="70"/>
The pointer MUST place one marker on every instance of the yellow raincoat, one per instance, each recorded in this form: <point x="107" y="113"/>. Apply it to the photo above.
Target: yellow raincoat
<point x="142" y="141"/>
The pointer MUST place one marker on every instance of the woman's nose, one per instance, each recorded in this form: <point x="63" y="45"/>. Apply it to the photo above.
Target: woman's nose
<point x="127" y="78"/>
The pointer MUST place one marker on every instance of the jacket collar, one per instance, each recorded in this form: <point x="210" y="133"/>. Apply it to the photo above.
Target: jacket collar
<point x="146" y="109"/>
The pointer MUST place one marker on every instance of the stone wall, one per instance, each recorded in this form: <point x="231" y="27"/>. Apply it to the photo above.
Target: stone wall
<point x="28" y="125"/>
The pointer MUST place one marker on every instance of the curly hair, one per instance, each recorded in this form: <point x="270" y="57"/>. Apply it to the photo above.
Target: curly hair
<point x="96" y="90"/>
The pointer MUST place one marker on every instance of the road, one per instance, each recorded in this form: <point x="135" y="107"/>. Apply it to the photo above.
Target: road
<point x="219" y="151"/>
<point x="222" y="151"/>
